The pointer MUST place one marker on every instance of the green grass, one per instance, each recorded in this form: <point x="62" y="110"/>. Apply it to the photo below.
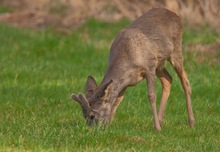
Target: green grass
<point x="204" y="35"/>
<point x="4" y="9"/>
<point x="40" y="69"/>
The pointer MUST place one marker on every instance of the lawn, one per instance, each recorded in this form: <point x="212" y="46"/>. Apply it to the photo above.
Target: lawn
<point x="39" y="70"/>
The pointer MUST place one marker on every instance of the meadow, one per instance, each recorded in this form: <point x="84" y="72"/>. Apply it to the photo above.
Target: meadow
<point x="40" y="69"/>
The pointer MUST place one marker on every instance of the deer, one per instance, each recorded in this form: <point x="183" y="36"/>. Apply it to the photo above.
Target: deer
<point x="139" y="52"/>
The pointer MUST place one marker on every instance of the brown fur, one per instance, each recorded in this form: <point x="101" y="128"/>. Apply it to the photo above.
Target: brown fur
<point x="139" y="52"/>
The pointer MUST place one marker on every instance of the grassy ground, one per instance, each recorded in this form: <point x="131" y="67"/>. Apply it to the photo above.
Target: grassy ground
<point x="40" y="69"/>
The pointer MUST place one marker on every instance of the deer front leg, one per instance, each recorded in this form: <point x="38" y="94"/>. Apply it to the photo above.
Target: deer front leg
<point x="152" y="98"/>
<point x="116" y="104"/>
<point x="114" y="107"/>
<point x="166" y="81"/>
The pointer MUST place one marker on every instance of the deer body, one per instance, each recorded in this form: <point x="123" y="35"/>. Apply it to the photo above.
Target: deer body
<point x="139" y="52"/>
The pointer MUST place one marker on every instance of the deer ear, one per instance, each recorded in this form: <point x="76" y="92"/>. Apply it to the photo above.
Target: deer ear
<point x="106" y="89"/>
<point x="90" y="86"/>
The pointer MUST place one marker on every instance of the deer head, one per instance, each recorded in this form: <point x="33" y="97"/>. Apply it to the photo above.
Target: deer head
<point x="97" y="103"/>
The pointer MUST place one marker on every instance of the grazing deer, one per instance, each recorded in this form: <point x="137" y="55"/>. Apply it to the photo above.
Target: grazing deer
<point x="139" y="51"/>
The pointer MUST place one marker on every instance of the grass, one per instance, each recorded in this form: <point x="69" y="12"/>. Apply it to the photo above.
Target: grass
<point x="4" y="9"/>
<point x="40" y="69"/>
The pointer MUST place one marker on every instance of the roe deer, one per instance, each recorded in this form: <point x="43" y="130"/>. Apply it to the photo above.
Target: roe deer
<point x="139" y="51"/>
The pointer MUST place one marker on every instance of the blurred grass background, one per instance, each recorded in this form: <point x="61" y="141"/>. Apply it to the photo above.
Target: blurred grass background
<point x="40" y="66"/>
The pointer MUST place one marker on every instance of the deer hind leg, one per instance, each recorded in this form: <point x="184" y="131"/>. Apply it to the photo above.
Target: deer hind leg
<point x="152" y="97"/>
<point x="178" y="66"/>
<point x="166" y="81"/>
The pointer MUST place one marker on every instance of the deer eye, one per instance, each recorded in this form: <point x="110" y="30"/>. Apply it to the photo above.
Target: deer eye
<point x="92" y="117"/>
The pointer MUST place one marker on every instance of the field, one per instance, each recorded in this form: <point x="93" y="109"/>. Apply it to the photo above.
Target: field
<point x="39" y="70"/>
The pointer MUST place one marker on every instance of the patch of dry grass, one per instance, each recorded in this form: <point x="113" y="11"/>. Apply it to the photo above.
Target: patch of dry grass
<point x="71" y="13"/>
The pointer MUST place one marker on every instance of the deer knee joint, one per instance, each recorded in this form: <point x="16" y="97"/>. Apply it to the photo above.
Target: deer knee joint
<point x="152" y="98"/>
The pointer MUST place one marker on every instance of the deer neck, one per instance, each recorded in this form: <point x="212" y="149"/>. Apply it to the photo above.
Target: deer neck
<point x="119" y="81"/>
